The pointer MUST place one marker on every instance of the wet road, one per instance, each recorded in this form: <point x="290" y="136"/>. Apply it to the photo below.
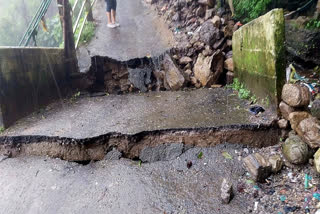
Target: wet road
<point x="141" y="32"/>
<point x="133" y="113"/>
<point x="44" y="185"/>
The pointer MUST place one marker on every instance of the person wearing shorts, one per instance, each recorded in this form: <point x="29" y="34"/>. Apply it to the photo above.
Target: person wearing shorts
<point x="111" y="13"/>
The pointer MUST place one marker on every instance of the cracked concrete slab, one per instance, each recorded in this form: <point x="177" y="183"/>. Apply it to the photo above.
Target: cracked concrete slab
<point x="142" y="33"/>
<point x="44" y="185"/>
<point x="89" y="117"/>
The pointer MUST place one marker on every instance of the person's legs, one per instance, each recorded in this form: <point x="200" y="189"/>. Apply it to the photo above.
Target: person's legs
<point x="113" y="16"/>
<point x="109" y="14"/>
<point x="114" y="13"/>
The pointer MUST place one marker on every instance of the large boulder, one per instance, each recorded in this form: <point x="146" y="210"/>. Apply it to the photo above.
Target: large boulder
<point x="295" y="150"/>
<point x="258" y="167"/>
<point x="296" y="95"/>
<point x="317" y="160"/>
<point x="209" y="34"/>
<point x="173" y="78"/>
<point x="285" y="110"/>
<point x="303" y="45"/>
<point x="315" y="108"/>
<point x="309" y="130"/>
<point x="207" y="70"/>
<point x="296" y="117"/>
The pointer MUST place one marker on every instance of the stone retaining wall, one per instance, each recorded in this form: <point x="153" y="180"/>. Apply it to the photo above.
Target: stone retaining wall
<point x="30" y="78"/>
<point x="259" y="55"/>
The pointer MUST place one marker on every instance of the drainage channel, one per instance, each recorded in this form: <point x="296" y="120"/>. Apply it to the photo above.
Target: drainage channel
<point x="132" y="146"/>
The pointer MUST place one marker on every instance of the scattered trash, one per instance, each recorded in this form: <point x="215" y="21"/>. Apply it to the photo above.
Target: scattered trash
<point x="189" y="164"/>
<point x="255" y="205"/>
<point x="283" y="198"/>
<point x="288" y="209"/>
<point x="226" y="155"/>
<point x="250" y="181"/>
<point x="316" y="195"/>
<point x="307" y="178"/>
<point x="292" y="179"/>
<point x="256" y="110"/>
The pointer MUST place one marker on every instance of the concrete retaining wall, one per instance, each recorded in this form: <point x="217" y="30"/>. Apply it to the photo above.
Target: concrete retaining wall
<point x="29" y="80"/>
<point x="259" y="56"/>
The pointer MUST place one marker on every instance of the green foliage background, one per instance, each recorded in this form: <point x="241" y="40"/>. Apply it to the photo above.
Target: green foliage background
<point x="247" y="10"/>
<point x="15" y="15"/>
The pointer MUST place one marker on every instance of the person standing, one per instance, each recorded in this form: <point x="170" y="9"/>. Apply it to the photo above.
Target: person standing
<point x="111" y="13"/>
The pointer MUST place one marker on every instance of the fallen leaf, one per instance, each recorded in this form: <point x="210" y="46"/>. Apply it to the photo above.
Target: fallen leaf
<point x="227" y="155"/>
<point x="200" y="155"/>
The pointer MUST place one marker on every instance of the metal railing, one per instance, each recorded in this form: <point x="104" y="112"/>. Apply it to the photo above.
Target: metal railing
<point x="32" y="27"/>
<point x="86" y="11"/>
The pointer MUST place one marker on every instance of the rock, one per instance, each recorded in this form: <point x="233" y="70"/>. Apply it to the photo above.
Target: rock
<point x="208" y="69"/>
<point x="161" y="152"/>
<point x="216" y="21"/>
<point x="209" y="3"/>
<point x="296" y="117"/>
<point x="207" y="51"/>
<point x="315" y="109"/>
<point x="185" y="60"/>
<point x="296" y="95"/>
<point x="209" y="34"/>
<point x="283" y="124"/>
<point x="114" y="154"/>
<point x="317" y="160"/>
<point x="228" y="29"/>
<point x="285" y="110"/>
<point x="187" y="74"/>
<point x="302" y="44"/>
<point x="295" y="150"/>
<point x="140" y="78"/>
<point x="200" y="12"/>
<point x="226" y="191"/>
<point x="309" y="130"/>
<point x="229" y="54"/>
<point x="228" y="64"/>
<point x="219" y="43"/>
<point x="258" y="167"/>
<point x="209" y="14"/>
<point x="229" y="77"/>
<point x="174" y="80"/>
<point x="276" y="163"/>
<point x="202" y="70"/>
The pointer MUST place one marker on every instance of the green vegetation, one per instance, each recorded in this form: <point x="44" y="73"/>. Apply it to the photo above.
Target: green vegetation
<point x="243" y="92"/>
<point x="313" y="24"/>
<point x="87" y="33"/>
<point x="247" y="10"/>
<point x="1" y="129"/>
<point x="49" y="32"/>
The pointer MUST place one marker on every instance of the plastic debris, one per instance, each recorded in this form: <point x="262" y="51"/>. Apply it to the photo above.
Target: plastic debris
<point x="288" y="209"/>
<point x="189" y="164"/>
<point x="256" y="110"/>
<point x="316" y="195"/>
<point x="255" y="205"/>
<point x="307" y="178"/>
<point x="283" y="198"/>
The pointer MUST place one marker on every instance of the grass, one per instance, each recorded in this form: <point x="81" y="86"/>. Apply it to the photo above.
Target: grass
<point x="243" y="92"/>
<point x="87" y="32"/>
<point x="1" y="129"/>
